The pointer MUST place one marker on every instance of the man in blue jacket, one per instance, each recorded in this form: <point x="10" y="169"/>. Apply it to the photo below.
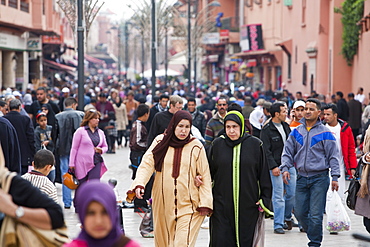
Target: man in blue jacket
<point x="312" y="148"/>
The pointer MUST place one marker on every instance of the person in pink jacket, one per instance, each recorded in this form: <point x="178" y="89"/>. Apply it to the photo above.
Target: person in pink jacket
<point x="88" y="145"/>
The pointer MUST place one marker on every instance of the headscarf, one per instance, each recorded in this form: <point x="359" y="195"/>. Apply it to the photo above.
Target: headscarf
<point x="365" y="170"/>
<point x="238" y="118"/>
<point x="102" y="193"/>
<point x="27" y="99"/>
<point x="255" y="117"/>
<point x="170" y="139"/>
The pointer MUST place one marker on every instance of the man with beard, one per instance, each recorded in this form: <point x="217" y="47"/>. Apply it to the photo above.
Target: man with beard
<point x="41" y="94"/>
<point x="216" y="123"/>
<point x="159" y="107"/>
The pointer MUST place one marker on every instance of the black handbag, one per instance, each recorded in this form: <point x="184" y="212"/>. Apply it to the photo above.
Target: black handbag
<point x="354" y="187"/>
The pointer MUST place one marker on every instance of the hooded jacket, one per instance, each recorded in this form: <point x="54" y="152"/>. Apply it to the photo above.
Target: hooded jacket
<point x="312" y="152"/>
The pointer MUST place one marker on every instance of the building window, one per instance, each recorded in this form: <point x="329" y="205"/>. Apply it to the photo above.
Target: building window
<point x="304" y="74"/>
<point x="25" y="6"/>
<point x="303" y="13"/>
<point x="2" y="2"/>
<point x="296" y="55"/>
<point x="13" y="3"/>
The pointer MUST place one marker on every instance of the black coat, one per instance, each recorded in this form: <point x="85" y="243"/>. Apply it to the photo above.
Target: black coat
<point x="10" y="145"/>
<point x="199" y="121"/>
<point x="23" y="126"/>
<point x="343" y="111"/>
<point x="273" y="143"/>
<point x="159" y="125"/>
<point x="254" y="184"/>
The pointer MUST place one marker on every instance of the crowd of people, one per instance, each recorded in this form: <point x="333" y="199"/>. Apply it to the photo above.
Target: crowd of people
<point x="226" y="154"/>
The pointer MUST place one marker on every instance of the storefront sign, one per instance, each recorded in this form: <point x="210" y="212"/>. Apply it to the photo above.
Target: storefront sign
<point x="12" y="42"/>
<point x="211" y="38"/>
<point x="251" y="38"/>
<point x="224" y="33"/>
<point x="52" y="39"/>
<point x="34" y="44"/>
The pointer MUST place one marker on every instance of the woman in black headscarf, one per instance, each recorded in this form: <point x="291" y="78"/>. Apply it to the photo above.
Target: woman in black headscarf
<point x="179" y="207"/>
<point x="241" y="181"/>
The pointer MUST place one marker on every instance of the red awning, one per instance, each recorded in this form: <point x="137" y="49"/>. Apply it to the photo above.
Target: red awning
<point x="58" y="66"/>
<point x="94" y="60"/>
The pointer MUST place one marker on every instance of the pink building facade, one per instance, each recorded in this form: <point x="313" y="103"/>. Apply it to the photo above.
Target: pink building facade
<point x="301" y="48"/>
<point x="22" y="25"/>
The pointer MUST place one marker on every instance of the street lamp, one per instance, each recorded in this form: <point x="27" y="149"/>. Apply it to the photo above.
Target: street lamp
<point x="80" y="50"/>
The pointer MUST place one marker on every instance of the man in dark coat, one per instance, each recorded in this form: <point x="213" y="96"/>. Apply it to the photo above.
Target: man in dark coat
<point x="273" y="135"/>
<point x="355" y="113"/>
<point x="343" y="111"/>
<point x="162" y="119"/>
<point x="24" y="128"/>
<point x="53" y="108"/>
<point x="161" y="106"/>
<point x="10" y="145"/>
<point x="199" y="120"/>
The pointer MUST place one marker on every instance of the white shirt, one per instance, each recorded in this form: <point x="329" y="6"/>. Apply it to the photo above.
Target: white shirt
<point x="360" y="97"/>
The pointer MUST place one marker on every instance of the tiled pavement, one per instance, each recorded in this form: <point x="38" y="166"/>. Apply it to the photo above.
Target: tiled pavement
<point x="118" y="168"/>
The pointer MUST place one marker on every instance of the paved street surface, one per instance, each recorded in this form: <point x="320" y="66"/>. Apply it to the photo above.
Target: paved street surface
<point x="118" y="168"/>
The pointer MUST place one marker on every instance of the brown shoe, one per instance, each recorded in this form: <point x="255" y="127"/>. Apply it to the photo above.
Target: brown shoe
<point x="289" y="224"/>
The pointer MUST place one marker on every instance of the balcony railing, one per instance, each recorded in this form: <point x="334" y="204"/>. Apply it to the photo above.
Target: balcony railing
<point x="13" y="3"/>
<point x="230" y="23"/>
<point x="25" y="6"/>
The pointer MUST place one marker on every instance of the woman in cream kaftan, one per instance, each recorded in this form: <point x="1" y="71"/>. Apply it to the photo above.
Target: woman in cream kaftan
<point x="179" y="207"/>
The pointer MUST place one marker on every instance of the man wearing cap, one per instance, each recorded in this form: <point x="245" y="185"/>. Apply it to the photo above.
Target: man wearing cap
<point x="297" y="113"/>
<point x="65" y="94"/>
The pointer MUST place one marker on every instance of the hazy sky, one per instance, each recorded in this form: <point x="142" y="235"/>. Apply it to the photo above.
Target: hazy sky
<point x="120" y="6"/>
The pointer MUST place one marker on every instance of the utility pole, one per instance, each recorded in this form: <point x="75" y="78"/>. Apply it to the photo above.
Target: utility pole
<point x="154" y="49"/>
<point x="189" y="44"/>
<point x="119" y="53"/>
<point x="126" y="49"/>
<point x="80" y="50"/>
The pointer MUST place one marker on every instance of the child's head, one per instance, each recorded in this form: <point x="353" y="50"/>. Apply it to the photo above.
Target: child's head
<point x="42" y="119"/>
<point x="143" y="112"/>
<point x="43" y="159"/>
<point x="111" y="115"/>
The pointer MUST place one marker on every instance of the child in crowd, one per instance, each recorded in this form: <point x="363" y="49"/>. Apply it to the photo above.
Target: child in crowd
<point x="111" y="133"/>
<point x="42" y="164"/>
<point x="43" y="138"/>
<point x="43" y="131"/>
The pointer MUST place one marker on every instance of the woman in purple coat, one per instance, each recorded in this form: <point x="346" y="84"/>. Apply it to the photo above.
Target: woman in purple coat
<point x="88" y="145"/>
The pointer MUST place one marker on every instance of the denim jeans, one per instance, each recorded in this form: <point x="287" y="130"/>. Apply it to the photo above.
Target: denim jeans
<point x="283" y="203"/>
<point x="51" y="176"/>
<point x="67" y="195"/>
<point x="310" y="205"/>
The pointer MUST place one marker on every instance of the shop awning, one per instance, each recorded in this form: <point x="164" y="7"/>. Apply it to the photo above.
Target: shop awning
<point x="94" y="60"/>
<point x="58" y="66"/>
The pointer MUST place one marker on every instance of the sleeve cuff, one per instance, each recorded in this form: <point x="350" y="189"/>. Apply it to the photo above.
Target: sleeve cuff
<point x="335" y="177"/>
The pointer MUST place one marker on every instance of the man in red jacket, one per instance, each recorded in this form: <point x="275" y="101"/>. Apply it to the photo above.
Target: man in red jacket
<point x="346" y="144"/>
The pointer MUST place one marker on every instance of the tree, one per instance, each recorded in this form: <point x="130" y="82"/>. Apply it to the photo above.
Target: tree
<point x="91" y="9"/>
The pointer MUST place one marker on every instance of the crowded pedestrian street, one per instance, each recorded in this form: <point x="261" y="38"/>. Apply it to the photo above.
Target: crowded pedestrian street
<point x="118" y="168"/>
